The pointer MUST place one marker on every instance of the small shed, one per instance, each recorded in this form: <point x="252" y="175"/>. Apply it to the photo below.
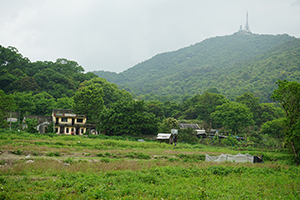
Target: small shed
<point x="165" y="137"/>
<point x="201" y="133"/>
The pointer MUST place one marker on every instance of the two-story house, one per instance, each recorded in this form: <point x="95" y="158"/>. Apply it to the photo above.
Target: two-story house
<point x="67" y="122"/>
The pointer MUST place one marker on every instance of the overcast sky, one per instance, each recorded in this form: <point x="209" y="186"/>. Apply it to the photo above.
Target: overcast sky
<point x="114" y="35"/>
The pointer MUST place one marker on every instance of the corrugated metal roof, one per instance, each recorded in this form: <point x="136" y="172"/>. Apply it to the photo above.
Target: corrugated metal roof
<point x="194" y="126"/>
<point x="163" y="136"/>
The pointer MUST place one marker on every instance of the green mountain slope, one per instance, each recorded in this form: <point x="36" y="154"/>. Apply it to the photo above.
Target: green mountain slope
<point x="259" y="74"/>
<point x="193" y="69"/>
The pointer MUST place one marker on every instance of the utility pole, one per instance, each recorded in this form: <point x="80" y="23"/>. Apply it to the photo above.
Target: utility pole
<point x="10" y="121"/>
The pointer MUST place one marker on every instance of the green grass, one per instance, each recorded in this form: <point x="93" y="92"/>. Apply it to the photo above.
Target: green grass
<point x="103" y="168"/>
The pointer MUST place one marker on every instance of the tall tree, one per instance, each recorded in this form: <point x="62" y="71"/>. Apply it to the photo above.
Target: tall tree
<point x="128" y="117"/>
<point x="89" y="101"/>
<point x="208" y="103"/>
<point x="155" y="107"/>
<point x="233" y="116"/>
<point x="168" y="124"/>
<point x="6" y="104"/>
<point x="24" y="102"/>
<point x="111" y="92"/>
<point x="44" y="103"/>
<point x="64" y="103"/>
<point x="288" y="94"/>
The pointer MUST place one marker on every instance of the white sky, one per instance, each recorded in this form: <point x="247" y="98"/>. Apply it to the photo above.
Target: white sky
<point x="114" y="35"/>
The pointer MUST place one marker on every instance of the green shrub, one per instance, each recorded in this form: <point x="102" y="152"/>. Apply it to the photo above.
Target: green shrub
<point x="2" y="162"/>
<point x="16" y="152"/>
<point x="99" y="155"/>
<point x="141" y="155"/>
<point x="69" y="160"/>
<point x="35" y="154"/>
<point x="106" y="160"/>
<point x="187" y="135"/>
<point x="59" y="143"/>
<point x="52" y="154"/>
<point x="173" y="159"/>
<point x="229" y="141"/>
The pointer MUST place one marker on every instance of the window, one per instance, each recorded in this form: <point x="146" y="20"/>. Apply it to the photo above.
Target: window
<point x="56" y="130"/>
<point x="82" y="131"/>
<point x="79" y="120"/>
<point x="67" y="130"/>
<point x="64" y="119"/>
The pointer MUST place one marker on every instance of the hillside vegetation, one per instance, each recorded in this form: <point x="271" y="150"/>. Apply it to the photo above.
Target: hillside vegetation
<point x="59" y="79"/>
<point x="232" y="64"/>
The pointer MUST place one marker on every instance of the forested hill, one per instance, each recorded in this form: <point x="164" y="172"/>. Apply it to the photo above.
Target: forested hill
<point x="216" y="62"/>
<point x="59" y="79"/>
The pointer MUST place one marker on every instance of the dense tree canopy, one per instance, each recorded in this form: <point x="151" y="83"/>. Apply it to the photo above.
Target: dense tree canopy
<point x="44" y="103"/>
<point x="274" y="128"/>
<point x="128" y="117"/>
<point x="59" y="79"/>
<point x="231" y="65"/>
<point x="156" y="108"/>
<point x="24" y="103"/>
<point x="207" y="104"/>
<point x="89" y="101"/>
<point x="263" y="112"/>
<point x="111" y="92"/>
<point x="168" y="124"/>
<point x="233" y="116"/>
<point x="288" y="94"/>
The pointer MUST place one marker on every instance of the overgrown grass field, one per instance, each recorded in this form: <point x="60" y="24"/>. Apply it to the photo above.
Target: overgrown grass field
<point x="34" y="166"/>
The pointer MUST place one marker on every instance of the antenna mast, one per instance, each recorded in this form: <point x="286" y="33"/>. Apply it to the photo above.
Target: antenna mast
<point x="247" y="28"/>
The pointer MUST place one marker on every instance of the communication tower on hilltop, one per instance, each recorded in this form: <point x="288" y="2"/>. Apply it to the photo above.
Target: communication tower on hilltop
<point x="247" y="28"/>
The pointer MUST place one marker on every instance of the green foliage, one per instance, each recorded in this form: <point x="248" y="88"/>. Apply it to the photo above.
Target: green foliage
<point x="261" y="112"/>
<point x="208" y="104"/>
<point x="16" y="152"/>
<point x="69" y="160"/>
<point x="170" y="109"/>
<point x="25" y="83"/>
<point x="229" y="141"/>
<point x="187" y="135"/>
<point x="44" y="103"/>
<point x="274" y="128"/>
<point x="59" y="79"/>
<point x="128" y="117"/>
<point x="53" y="154"/>
<point x="31" y="125"/>
<point x="156" y="108"/>
<point x="231" y="64"/>
<point x="64" y="103"/>
<point x="111" y="92"/>
<point x="288" y="94"/>
<point x="89" y="101"/>
<point x="233" y="116"/>
<point x="168" y="124"/>
<point x="7" y="104"/>
<point x="24" y="102"/>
